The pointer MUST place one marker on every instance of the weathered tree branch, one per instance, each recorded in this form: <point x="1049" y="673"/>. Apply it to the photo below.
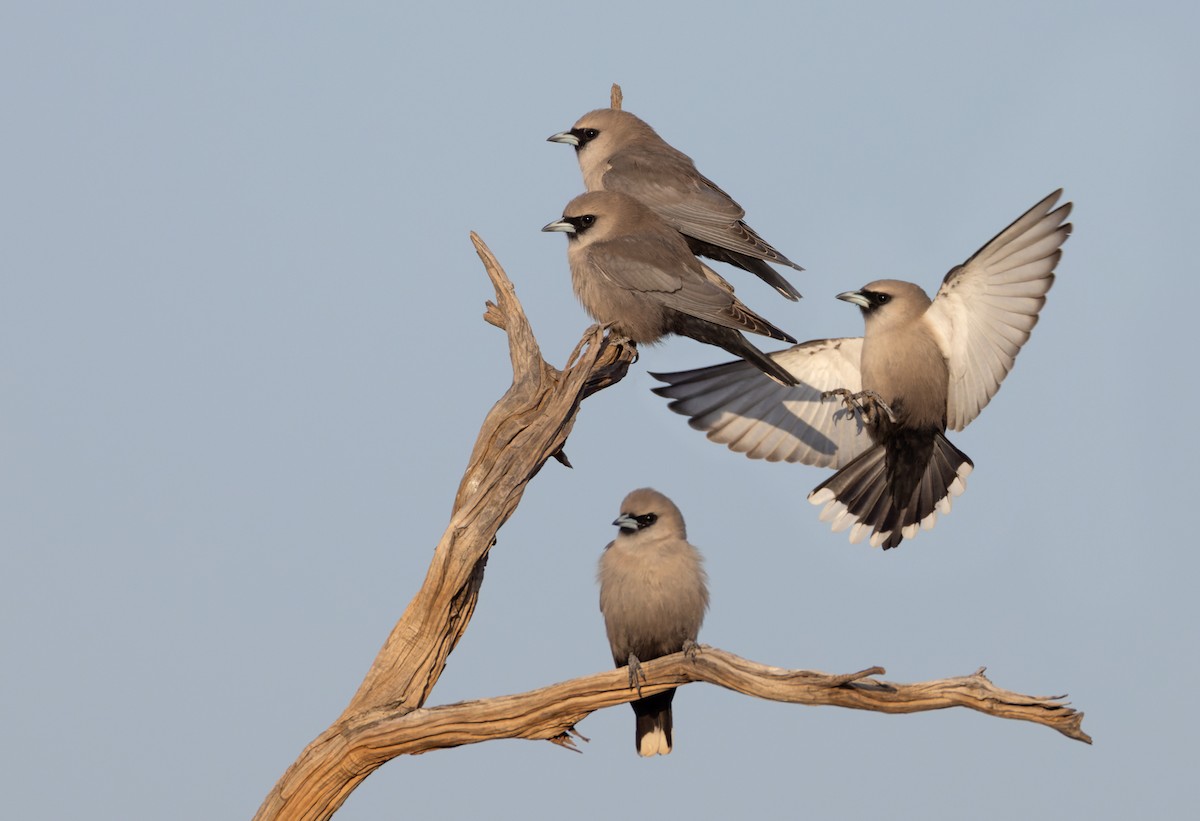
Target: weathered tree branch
<point x="528" y="426"/>
<point x="551" y="713"/>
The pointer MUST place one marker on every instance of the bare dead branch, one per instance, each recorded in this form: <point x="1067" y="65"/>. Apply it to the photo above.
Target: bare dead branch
<point x="616" y="97"/>
<point x="551" y="713"/>
<point x="528" y="426"/>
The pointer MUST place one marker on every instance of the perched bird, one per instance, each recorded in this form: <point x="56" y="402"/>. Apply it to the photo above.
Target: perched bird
<point x="634" y="272"/>
<point x="619" y="152"/>
<point x="922" y="366"/>
<point x="653" y="594"/>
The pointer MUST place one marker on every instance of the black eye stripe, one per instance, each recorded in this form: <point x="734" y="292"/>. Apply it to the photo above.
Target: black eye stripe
<point x="876" y="298"/>
<point x="582" y="222"/>
<point x="645" y="520"/>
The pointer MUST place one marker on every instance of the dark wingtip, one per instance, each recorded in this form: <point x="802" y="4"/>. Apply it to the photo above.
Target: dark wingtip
<point x="776" y="371"/>
<point x="785" y="288"/>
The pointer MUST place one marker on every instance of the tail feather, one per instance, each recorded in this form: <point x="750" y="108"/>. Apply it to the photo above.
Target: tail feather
<point x="867" y="495"/>
<point x="738" y="345"/>
<point x="732" y="341"/>
<point x="750" y="263"/>
<point x="652" y="735"/>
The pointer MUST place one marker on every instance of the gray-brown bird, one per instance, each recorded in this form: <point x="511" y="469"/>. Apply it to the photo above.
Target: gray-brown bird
<point x="620" y="152"/>
<point x="653" y="594"/>
<point x="922" y="366"/>
<point x="634" y="272"/>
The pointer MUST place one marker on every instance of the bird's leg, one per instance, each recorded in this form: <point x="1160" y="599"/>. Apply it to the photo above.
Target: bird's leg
<point x="868" y="403"/>
<point x="872" y="403"/>
<point x="691" y="649"/>
<point x="636" y="676"/>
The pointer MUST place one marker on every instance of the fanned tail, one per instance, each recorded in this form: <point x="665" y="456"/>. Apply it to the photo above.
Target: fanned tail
<point x="866" y="497"/>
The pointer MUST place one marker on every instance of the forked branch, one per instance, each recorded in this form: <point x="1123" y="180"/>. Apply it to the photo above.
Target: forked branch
<point x="528" y="426"/>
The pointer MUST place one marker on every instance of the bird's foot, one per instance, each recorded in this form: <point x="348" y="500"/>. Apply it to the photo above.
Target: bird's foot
<point x="846" y="396"/>
<point x="867" y="403"/>
<point x="691" y="649"/>
<point x="636" y="676"/>
<point x="616" y="338"/>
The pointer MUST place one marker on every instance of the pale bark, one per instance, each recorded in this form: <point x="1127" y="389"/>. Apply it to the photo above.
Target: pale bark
<point x="551" y="713"/>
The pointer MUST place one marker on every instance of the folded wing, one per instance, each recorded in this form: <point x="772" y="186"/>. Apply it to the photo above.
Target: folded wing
<point x="679" y="281"/>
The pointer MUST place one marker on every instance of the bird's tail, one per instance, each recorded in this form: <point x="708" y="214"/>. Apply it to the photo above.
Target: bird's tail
<point x="653" y="732"/>
<point x="748" y="262"/>
<point x="863" y="495"/>
<point x="738" y="345"/>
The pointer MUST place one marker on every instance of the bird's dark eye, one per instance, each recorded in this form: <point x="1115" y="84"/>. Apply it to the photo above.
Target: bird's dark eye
<point x="586" y="221"/>
<point x="881" y="298"/>
<point x="584" y="136"/>
<point x="645" y="520"/>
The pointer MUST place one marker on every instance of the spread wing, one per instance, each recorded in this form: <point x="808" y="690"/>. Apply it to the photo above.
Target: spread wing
<point x="740" y="407"/>
<point x="987" y="306"/>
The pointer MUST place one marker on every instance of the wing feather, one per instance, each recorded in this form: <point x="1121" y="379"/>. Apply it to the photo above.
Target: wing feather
<point x="650" y="265"/>
<point x="671" y="186"/>
<point x="987" y="307"/>
<point x="737" y="406"/>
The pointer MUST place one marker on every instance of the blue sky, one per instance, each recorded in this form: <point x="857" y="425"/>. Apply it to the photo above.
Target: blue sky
<point x="243" y="365"/>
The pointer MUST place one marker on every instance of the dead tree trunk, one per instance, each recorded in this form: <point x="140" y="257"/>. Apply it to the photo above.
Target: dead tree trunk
<point x="528" y="426"/>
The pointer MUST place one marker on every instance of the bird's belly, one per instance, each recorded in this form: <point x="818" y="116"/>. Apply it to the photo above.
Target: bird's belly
<point x="911" y="379"/>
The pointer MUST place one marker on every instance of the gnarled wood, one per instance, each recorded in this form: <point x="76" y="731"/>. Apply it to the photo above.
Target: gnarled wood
<point x="529" y="425"/>
<point x="551" y="713"/>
